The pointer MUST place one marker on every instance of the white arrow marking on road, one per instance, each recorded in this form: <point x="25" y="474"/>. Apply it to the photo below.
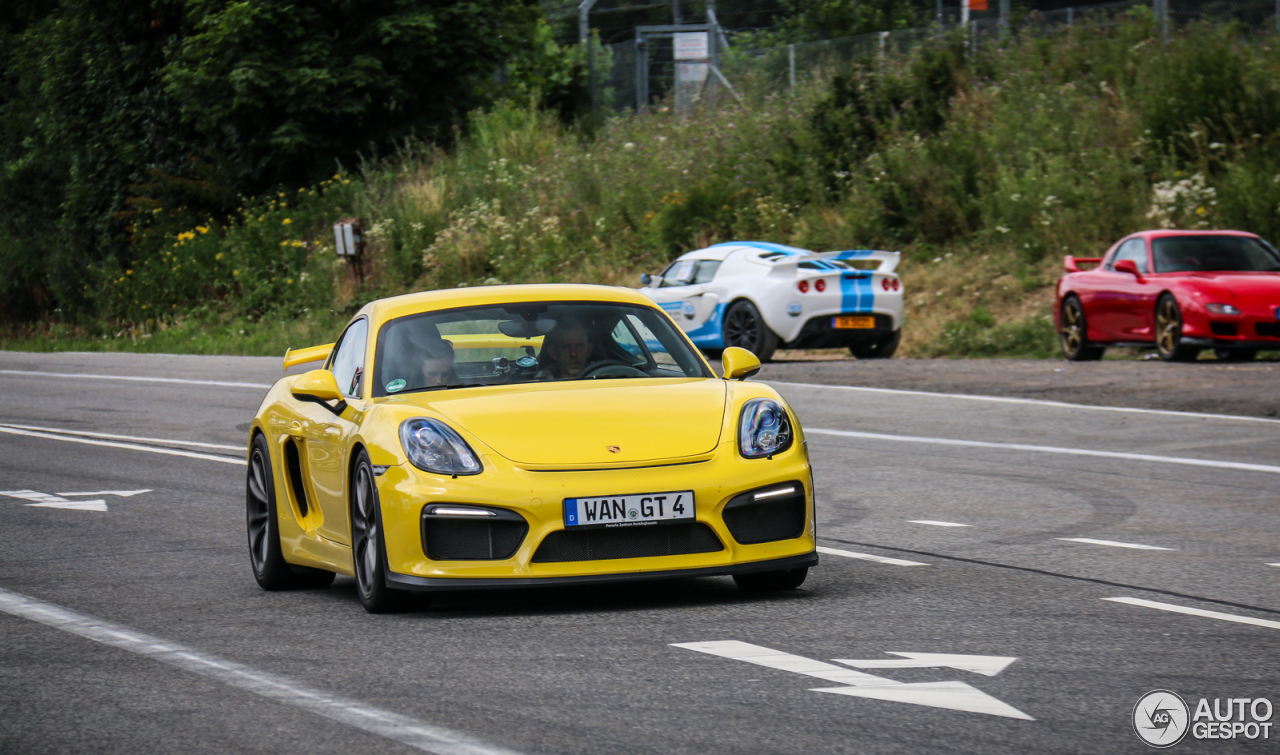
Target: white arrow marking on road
<point x="121" y="493"/>
<point x="950" y="695"/>
<point x="987" y="665"/>
<point x="44" y="500"/>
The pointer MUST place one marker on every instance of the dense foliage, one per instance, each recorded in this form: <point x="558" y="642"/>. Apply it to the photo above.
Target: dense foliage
<point x="983" y="163"/>
<point x="123" y="121"/>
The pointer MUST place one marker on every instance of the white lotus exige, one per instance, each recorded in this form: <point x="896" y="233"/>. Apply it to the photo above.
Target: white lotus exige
<point x="761" y="296"/>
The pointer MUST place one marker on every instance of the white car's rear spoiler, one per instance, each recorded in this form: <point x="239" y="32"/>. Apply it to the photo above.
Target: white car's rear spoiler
<point x="791" y="264"/>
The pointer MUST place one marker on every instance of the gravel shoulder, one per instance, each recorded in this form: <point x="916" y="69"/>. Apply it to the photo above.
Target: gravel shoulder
<point x="1248" y="389"/>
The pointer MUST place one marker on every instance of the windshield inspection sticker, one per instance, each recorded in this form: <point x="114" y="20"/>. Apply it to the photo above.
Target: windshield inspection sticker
<point x="1162" y="718"/>
<point x="395" y="385"/>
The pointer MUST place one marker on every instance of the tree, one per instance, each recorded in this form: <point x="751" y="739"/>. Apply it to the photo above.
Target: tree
<point x="284" y="89"/>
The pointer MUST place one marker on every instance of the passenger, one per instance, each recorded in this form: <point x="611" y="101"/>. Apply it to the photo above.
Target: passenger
<point x="437" y="363"/>
<point x="566" y="351"/>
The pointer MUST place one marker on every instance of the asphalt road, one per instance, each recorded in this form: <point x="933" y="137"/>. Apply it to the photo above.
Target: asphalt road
<point x="140" y="628"/>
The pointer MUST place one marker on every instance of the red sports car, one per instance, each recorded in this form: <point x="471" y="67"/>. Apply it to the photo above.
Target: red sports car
<point x="1182" y="291"/>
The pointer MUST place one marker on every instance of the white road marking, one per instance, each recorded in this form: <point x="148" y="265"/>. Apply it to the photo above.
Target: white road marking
<point x="120" y="493"/>
<point x="868" y="557"/>
<point x="129" y="446"/>
<point x="951" y="695"/>
<point x="1029" y="401"/>
<point x="384" y="723"/>
<point x="1197" y="612"/>
<point x="109" y="436"/>
<point x="987" y="665"/>
<point x="1273" y="564"/>
<point x="1114" y="544"/>
<point x="1049" y="450"/>
<point x="135" y="379"/>
<point x="44" y="500"/>
<point x="936" y="523"/>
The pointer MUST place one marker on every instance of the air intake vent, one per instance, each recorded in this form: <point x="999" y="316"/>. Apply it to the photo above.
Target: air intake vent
<point x="1223" y="328"/>
<point x="1268" y="329"/>
<point x="627" y="542"/>
<point x="482" y="534"/>
<point x="767" y="514"/>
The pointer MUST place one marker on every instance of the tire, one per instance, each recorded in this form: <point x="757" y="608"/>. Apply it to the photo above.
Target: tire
<point x="881" y="349"/>
<point x="1169" y="332"/>
<point x="368" y="554"/>
<point x="1235" y="355"/>
<point x="269" y="567"/>
<point x="771" y="581"/>
<point x="1073" y="335"/>
<point x="745" y="328"/>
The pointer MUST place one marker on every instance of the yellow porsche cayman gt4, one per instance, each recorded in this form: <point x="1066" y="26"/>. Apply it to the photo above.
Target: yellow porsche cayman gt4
<point x="513" y="436"/>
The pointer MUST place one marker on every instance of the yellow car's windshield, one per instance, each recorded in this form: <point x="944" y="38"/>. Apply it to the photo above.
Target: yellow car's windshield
<point x="529" y="342"/>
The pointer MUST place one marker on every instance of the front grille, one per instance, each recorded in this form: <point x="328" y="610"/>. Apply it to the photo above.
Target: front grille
<point x="1223" y="328"/>
<point x="772" y="517"/>
<point x="1268" y="329"/>
<point x="627" y="542"/>
<point x="446" y="538"/>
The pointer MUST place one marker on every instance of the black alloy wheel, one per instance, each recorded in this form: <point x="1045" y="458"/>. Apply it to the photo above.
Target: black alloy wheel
<point x="881" y="348"/>
<point x="1074" y="332"/>
<point x="746" y="329"/>
<point x="771" y="581"/>
<point x="1235" y="355"/>
<point x="269" y="566"/>
<point x="367" y="552"/>
<point x="1169" y="332"/>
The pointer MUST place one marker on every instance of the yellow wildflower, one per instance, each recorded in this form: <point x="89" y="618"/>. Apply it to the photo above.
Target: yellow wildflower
<point x="235" y="273"/>
<point x="218" y="256"/>
<point x="128" y="272"/>
<point x="203" y="229"/>
<point x="286" y="221"/>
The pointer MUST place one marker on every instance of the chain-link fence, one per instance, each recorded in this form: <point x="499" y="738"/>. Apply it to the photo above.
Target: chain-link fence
<point x="784" y="65"/>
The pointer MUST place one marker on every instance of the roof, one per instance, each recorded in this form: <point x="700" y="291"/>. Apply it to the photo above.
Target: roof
<point x="381" y="310"/>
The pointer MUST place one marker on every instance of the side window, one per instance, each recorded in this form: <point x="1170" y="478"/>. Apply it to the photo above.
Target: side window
<point x="706" y="271"/>
<point x="348" y="358"/>
<point x="1133" y="249"/>
<point x="679" y="274"/>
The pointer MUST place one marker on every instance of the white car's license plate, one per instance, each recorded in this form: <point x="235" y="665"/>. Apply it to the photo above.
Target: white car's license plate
<point x="628" y="510"/>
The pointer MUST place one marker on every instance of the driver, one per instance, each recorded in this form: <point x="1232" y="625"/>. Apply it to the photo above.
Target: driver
<point x="566" y="351"/>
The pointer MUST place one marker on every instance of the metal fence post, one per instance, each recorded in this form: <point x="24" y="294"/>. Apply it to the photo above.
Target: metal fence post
<point x="1162" y="18"/>
<point x="584" y="36"/>
<point x="791" y="62"/>
<point x="1004" y="13"/>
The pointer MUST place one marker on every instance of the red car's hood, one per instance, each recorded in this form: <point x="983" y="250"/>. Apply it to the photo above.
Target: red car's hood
<point x="1234" y="287"/>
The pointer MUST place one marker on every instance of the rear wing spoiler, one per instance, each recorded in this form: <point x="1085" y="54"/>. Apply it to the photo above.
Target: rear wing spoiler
<point x="310" y="354"/>
<point x="1072" y="264"/>
<point x="820" y="261"/>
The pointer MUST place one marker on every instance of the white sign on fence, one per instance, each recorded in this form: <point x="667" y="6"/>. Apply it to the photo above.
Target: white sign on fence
<point x="691" y="45"/>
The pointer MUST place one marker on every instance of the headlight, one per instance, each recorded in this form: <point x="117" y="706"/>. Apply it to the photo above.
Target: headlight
<point x="433" y="446"/>
<point x="764" y="429"/>
<point x="1222" y="309"/>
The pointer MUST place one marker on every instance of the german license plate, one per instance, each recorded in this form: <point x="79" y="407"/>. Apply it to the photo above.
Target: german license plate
<point x="628" y="510"/>
<point x="845" y="322"/>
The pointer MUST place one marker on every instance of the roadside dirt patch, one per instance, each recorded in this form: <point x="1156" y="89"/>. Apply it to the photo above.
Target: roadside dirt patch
<point x="1250" y="389"/>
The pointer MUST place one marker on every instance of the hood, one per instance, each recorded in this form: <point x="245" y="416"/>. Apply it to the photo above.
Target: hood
<point x="574" y="424"/>
<point x="1240" y="287"/>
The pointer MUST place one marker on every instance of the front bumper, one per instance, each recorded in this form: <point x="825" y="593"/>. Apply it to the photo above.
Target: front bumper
<point x="537" y="496"/>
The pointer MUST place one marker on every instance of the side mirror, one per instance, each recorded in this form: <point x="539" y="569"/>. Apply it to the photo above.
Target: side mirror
<point x="739" y="364"/>
<point x="1127" y="266"/>
<point x="646" y="279"/>
<point x="317" y="385"/>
